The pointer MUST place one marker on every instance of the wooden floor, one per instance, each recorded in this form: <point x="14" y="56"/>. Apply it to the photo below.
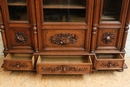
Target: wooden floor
<point x="97" y="79"/>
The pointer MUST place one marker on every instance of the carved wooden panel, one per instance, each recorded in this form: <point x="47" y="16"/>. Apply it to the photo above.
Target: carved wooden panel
<point x="64" y="69"/>
<point x="18" y="65"/>
<point x="20" y="38"/>
<point x="63" y="39"/>
<point x="107" y="38"/>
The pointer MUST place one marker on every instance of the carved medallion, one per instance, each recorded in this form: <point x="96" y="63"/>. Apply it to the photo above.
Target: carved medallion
<point x="63" y="69"/>
<point x="63" y="39"/>
<point x="20" y="37"/>
<point x="18" y="65"/>
<point x="108" y="37"/>
<point x="109" y="64"/>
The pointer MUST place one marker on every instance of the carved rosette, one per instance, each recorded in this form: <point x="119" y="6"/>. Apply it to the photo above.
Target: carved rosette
<point x="18" y="65"/>
<point x="109" y="64"/>
<point x="108" y="37"/>
<point x="20" y="37"/>
<point x="63" y="69"/>
<point x="63" y="39"/>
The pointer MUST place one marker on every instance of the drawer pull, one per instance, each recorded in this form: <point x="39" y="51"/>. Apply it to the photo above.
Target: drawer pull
<point x="63" y="39"/>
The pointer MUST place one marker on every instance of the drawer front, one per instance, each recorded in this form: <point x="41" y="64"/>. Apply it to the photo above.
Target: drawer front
<point x="63" y="39"/>
<point x="19" y="62"/>
<point x="109" y="64"/>
<point x="63" y="69"/>
<point x="17" y="65"/>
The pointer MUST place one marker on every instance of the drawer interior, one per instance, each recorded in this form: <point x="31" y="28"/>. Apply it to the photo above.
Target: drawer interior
<point x="64" y="59"/>
<point x="19" y="56"/>
<point x="109" y="56"/>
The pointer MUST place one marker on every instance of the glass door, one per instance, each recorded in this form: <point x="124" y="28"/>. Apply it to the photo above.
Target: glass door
<point x="17" y="10"/>
<point x="111" y="10"/>
<point x="64" y="10"/>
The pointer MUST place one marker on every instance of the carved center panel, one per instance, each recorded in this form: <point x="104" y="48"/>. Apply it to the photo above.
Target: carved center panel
<point x="64" y="39"/>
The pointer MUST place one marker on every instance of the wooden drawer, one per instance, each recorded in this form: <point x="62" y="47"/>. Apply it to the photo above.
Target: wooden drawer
<point x="64" y="64"/>
<point x="18" y="62"/>
<point x="109" y="62"/>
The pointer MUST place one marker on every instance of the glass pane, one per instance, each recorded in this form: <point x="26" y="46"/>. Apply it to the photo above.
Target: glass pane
<point x="64" y="2"/>
<point x="111" y="10"/>
<point x="64" y="15"/>
<point x="64" y="10"/>
<point x="18" y="13"/>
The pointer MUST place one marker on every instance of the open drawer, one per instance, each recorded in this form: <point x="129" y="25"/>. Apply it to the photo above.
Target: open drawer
<point x="64" y="64"/>
<point x="109" y="62"/>
<point x="19" y="62"/>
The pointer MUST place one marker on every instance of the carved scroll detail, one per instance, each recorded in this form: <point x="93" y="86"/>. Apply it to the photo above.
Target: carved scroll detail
<point x="109" y="64"/>
<point x="63" y="69"/>
<point x="18" y="65"/>
<point x="63" y="39"/>
<point x="108" y="37"/>
<point x="20" y="37"/>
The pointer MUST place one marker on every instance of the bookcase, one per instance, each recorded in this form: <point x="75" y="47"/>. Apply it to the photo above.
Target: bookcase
<point x="64" y="36"/>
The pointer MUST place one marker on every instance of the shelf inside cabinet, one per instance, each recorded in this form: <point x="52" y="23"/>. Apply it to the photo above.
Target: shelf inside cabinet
<point x="108" y="18"/>
<point x="17" y="2"/>
<point x="63" y="7"/>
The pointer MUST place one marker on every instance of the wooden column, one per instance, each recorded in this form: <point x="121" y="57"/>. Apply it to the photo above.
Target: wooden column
<point x="3" y="32"/>
<point x="126" y="29"/>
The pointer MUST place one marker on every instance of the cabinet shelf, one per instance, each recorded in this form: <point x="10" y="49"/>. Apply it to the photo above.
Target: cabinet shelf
<point x="108" y="18"/>
<point x="64" y="7"/>
<point x="17" y="4"/>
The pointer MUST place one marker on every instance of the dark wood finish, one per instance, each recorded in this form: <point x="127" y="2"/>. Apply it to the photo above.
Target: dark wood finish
<point x="68" y="28"/>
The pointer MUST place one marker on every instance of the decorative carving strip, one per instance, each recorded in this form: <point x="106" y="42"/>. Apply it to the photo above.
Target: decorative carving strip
<point x="63" y="69"/>
<point x="63" y="39"/>
<point x="109" y="64"/>
<point x="107" y="37"/>
<point x="20" y="37"/>
<point x="18" y="65"/>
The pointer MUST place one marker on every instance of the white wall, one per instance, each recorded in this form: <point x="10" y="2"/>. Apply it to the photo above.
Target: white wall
<point x="127" y="45"/>
<point x="127" y="48"/>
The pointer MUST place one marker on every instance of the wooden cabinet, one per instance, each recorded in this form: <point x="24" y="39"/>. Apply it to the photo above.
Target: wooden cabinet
<point x="64" y="36"/>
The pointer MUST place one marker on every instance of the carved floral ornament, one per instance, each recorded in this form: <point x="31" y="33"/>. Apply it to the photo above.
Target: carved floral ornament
<point x="20" y="37"/>
<point x="18" y="65"/>
<point x="109" y="64"/>
<point x="108" y="37"/>
<point x="63" y="39"/>
<point x="63" y="68"/>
